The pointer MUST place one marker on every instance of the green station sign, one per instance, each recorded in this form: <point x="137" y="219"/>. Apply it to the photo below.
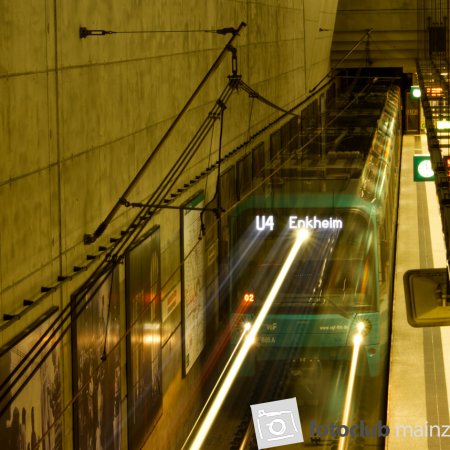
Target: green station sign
<point x="423" y="171"/>
<point x="415" y="92"/>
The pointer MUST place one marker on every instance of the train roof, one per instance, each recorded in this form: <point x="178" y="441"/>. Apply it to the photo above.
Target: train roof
<point x="345" y="139"/>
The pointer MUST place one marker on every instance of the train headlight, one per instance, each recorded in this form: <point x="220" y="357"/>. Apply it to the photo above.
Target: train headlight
<point x="250" y="339"/>
<point x="364" y="326"/>
<point x="357" y="339"/>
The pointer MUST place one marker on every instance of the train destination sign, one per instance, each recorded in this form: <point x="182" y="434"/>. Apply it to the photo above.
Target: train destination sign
<point x="297" y="223"/>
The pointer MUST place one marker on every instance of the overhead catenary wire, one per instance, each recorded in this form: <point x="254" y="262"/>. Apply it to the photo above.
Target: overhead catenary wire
<point x="218" y="187"/>
<point x="367" y="33"/>
<point x="101" y="271"/>
<point x="97" y="284"/>
<point x="254" y="94"/>
<point x="163" y="190"/>
<point x="364" y="91"/>
<point x="250" y="117"/>
<point x="133" y="230"/>
<point x="205" y="189"/>
<point x="140" y="222"/>
<point x="109" y="263"/>
<point x="209" y="157"/>
<point x="85" y="32"/>
<point x="83" y="267"/>
<point x="101" y="228"/>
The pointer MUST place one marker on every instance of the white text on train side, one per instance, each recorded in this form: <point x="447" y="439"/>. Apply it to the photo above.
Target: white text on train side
<point x="296" y="223"/>
<point x="314" y="222"/>
<point x="263" y="222"/>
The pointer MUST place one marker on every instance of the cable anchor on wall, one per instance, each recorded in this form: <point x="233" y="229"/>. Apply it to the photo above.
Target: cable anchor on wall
<point x="234" y="78"/>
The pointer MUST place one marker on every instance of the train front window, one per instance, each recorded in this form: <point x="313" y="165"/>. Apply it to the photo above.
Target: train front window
<point x="333" y="272"/>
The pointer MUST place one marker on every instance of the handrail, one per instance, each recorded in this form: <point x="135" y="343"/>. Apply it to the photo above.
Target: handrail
<point x="441" y="177"/>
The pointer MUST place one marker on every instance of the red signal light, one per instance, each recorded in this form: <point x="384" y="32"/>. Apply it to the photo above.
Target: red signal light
<point x="434" y="91"/>
<point x="447" y="164"/>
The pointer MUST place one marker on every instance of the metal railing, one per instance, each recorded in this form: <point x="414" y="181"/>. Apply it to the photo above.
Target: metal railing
<point x="433" y="74"/>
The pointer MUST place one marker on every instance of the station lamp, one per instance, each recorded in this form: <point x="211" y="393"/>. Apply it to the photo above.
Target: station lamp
<point x="443" y="124"/>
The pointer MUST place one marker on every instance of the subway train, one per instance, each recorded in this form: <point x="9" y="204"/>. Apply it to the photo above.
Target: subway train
<point x="340" y="181"/>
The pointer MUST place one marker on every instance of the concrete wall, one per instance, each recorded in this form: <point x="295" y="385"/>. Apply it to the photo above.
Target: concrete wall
<point x="79" y="116"/>
<point x="393" y="41"/>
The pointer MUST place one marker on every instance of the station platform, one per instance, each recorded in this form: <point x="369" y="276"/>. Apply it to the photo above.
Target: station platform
<point x="419" y="373"/>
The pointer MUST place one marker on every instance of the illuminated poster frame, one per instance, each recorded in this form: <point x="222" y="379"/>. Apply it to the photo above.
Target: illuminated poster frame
<point x="192" y="282"/>
<point x="144" y="353"/>
<point x="96" y="366"/>
<point x="33" y="419"/>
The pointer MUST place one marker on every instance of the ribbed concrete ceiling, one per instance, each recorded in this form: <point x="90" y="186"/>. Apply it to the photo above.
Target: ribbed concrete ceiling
<point x="392" y="43"/>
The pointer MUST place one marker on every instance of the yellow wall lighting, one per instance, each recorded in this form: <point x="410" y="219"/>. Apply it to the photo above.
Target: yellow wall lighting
<point x="443" y="125"/>
<point x="302" y="235"/>
<point x="434" y="91"/>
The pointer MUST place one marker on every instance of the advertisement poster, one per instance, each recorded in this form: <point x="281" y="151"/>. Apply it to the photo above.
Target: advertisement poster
<point x="96" y="363"/>
<point x="33" y="419"/>
<point x="193" y="283"/>
<point x="144" y="370"/>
